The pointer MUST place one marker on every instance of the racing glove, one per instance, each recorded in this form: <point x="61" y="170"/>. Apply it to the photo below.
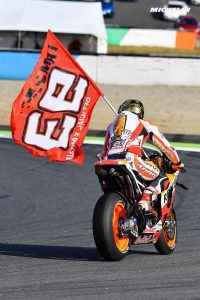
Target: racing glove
<point x="177" y="167"/>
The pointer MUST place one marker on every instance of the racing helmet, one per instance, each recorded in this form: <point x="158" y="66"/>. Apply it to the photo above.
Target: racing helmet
<point x="134" y="106"/>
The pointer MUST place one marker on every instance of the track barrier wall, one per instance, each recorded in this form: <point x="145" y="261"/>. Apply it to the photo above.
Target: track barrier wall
<point x="118" y="70"/>
<point x="152" y="38"/>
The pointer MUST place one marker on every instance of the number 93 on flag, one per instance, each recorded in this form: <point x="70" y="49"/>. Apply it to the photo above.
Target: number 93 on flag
<point x="51" y="114"/>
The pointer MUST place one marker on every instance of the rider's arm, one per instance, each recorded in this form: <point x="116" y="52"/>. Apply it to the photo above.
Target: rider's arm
<point x="162" y="143"/>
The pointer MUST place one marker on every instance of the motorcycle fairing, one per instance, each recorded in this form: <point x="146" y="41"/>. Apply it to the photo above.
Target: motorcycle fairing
<point x="167" y="197"/>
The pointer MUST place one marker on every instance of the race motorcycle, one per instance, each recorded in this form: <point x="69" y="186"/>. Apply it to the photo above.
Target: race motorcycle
<point x="119" y="222"/>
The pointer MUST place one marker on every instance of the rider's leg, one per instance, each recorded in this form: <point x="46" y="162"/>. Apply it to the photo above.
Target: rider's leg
<point x="146" y="202"/>
<point x="150" y="195"/>
<point x="152" y="174"/>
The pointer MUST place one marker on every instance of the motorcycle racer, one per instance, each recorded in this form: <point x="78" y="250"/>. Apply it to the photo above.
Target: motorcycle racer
<point x="125" y="137"/>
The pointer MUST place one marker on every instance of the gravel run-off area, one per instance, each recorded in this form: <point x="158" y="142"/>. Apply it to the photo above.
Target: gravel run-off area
<point x="175" y="109"/>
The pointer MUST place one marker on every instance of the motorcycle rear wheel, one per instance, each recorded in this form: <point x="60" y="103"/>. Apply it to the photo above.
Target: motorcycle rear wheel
<point x="167" y="241"/>
<point x="108" y="213"/>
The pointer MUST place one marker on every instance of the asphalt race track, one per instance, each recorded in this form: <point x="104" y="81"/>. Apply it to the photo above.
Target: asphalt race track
<point x="46" y="243"/>
<point x="136" y="14"/>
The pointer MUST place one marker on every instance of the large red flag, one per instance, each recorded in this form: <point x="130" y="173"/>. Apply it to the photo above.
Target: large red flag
<point x="51" y="114"/>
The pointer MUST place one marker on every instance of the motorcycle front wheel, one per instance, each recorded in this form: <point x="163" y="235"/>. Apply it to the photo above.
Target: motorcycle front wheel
<point x="167" y="241"/>
<point x="108" y="213"/>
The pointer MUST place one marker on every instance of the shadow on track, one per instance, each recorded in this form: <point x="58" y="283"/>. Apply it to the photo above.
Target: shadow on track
<point x="142" y="252"/>
<point x="50" y="252"/>
<point x="59" y="252"/>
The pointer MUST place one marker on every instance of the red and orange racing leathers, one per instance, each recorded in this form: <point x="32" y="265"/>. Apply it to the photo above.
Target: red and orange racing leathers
<point x="127" y="134"/>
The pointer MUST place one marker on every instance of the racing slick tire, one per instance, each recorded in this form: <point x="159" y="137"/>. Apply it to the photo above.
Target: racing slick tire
<point x="167" y="241"/>
<point x="108" y="212"/>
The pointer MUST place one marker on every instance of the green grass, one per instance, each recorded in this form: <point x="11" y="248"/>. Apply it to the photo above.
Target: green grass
<point x="100" y="141"/>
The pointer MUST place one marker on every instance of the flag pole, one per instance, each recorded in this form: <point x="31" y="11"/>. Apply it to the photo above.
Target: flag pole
<point x="109" y="104"/>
